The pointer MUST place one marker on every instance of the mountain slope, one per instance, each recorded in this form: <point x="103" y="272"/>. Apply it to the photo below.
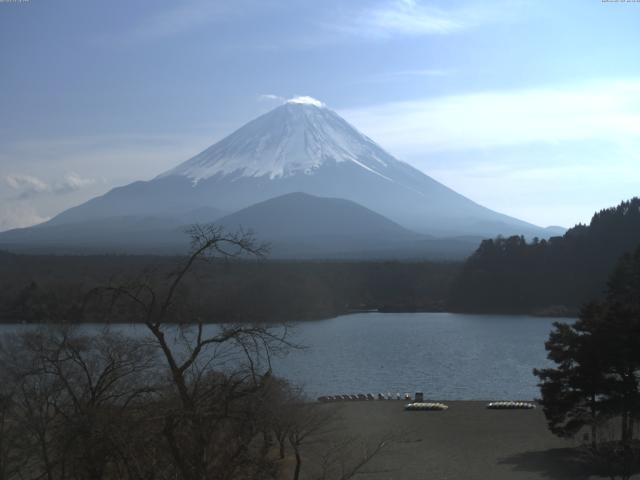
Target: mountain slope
<point x="115" y="234"/>
<point x="302" y="215"/>
<point x="298" y="224"/>
<point x="302" y="146"/>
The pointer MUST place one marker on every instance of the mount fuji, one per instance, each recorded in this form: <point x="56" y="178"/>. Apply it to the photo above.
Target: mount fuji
<point x="300" y="146"/>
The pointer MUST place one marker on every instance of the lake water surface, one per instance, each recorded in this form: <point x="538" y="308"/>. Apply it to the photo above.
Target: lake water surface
<point x="447" y="356"/>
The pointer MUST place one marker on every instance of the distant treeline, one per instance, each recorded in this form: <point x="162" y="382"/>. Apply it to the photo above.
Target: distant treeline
<point x="547" y="277"/>
<point x="36" y="288"/>
<point x="505" y="275"/>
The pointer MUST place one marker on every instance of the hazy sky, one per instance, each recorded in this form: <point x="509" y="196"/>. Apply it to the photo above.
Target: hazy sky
<point x="529" y="107"/>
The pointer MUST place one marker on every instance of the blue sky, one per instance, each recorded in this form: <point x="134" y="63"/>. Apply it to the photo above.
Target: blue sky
<point x="529" y="107"/>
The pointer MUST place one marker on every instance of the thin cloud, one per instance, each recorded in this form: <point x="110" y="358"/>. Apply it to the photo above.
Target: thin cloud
<point x="425" y="72"/>
<point x="72" y="182"/>
<point x="27" y="186"/>
<point x="530" y="146"/>
<point x="605" y="110"/>
<point x="407" y="17"/>
<point x="406" y="74"/>
<point x="270" y="97"/>
<point x="122" y="158"/>
<point x="305" y="99"/>
<point x="183" y="18"/>
<point x="417" y="18"/>
<point x="176" y="20"/>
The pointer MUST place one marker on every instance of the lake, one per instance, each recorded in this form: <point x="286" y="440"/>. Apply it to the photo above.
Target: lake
<point x="445" y="355"/>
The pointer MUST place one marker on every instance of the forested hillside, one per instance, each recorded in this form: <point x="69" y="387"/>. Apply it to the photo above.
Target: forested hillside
<point x="554" y="276"/>
<point x="39" y="288"/>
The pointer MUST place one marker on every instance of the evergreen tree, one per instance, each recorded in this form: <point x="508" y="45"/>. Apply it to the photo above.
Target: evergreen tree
<point x="554" y="276"/>
<point x="597" y="359"/>
<point x="571" y="392"/>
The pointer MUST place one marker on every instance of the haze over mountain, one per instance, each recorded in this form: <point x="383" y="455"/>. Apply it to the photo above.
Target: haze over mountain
<point x="137" y="234"/>
<point x="300" y="146"/>
<point x="298" y="225"/>
<point x="295" y="225"/>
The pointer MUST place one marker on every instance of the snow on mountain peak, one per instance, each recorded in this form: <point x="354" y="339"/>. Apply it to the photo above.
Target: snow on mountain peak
<point x="294" y="138"/>
<point x="305" y="100"/>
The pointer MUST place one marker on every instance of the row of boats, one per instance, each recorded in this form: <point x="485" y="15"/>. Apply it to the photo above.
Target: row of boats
<point x="362" y="396"/>
<point x="417" y="403"/>
<point x="426" y="406"/>
<point x="508" y="405"/>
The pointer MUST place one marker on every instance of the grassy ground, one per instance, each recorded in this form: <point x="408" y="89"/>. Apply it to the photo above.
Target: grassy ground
<point x="465" y="442"/>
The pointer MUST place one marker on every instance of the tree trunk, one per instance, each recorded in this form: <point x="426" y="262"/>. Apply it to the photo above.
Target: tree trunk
<point x="625" y="427"/>
<point x="296" y="473"/>
<point x="45" y="458"/>
<point x="266" y="440"/>
<point x="594" y="423"/>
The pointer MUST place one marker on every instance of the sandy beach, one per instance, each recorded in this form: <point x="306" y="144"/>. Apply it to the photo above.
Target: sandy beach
<point x="467" y="441"/>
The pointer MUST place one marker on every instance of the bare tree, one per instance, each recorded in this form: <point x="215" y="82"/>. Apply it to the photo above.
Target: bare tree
<point x="11" y="461"/>
<point x="72" y="395"/>
<point x="187" y="400"/>
<point x="307" y="421"/>
<point x="315" y="434"/>
<point x="217" y="372"/>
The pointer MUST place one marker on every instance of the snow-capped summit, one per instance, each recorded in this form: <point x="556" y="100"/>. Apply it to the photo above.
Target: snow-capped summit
<point x="301" y="146"/>
<point x="304" y="100"/>
<point x="295" y="138"/>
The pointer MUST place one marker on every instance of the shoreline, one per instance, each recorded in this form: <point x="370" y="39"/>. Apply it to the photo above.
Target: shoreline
<point x="6" y="321"/>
